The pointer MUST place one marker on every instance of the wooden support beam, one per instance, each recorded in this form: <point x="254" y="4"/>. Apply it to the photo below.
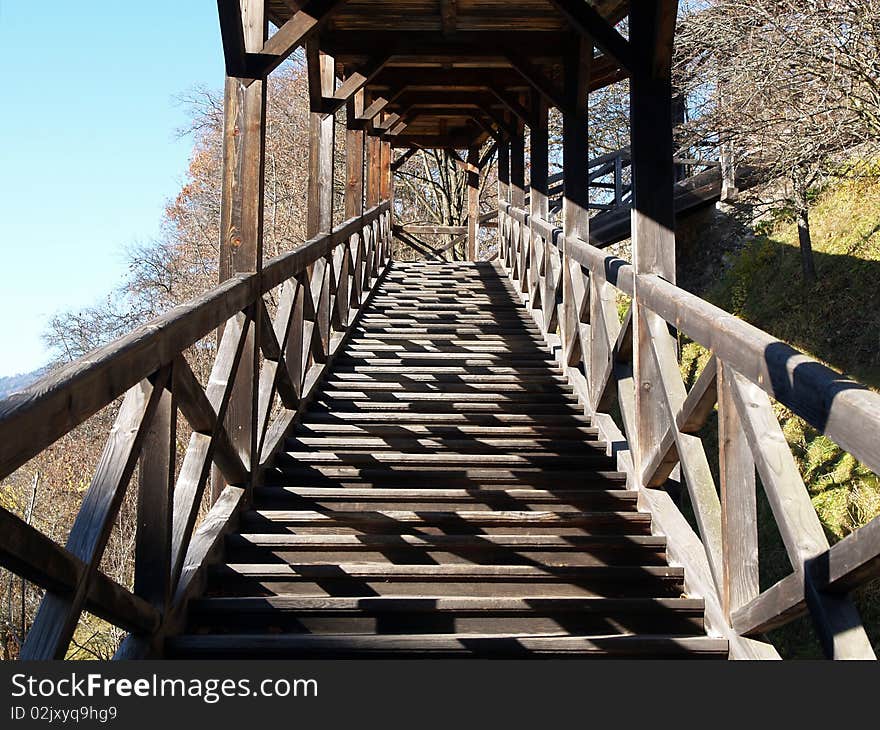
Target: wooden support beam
<point x="402" y="160"/>
<point x="232" y="35"/>
<point x="372" y="171"/>
<point x="241" y="217"/>
<point x="354" y="83"/>
<point x="473" y="200"/>
<point x="321" y="135"/>
<point x="653" y="220"/>
<point x="587" y="21"/>
<point x="449" y="16"/>
<point x="539" y="81"/>
<point x="576" y="201"/>
<point x="354" y="163"/>
<point x="295" y="33"/>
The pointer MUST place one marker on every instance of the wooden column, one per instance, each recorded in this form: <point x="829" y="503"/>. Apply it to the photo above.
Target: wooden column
<point x="321" y="128"/>
<point x="241" y="222"/>
<point x="518" y="168"/>
<point x="473" y="201"/>
<point x="503" y="196"/>
<point x="538" y="199"/>
<point x="354" y="160"/>
<point x="653" y="218"/>
<point x="372" y="171"/>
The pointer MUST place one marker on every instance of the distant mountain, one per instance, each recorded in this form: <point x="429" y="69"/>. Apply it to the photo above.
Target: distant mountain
<point x="14" y="383"/>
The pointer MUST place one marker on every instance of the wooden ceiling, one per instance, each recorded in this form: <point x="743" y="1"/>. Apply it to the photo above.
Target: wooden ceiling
<point x="454" y="72"/>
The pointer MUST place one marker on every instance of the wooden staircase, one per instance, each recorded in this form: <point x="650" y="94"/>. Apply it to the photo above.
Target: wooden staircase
<point x="444" y="495"/>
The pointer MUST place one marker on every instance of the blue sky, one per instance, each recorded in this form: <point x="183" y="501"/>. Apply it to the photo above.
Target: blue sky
<point x="88" y="147"/>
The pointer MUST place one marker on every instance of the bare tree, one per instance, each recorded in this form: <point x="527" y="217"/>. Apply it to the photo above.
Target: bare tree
<point x="792" y="86"/>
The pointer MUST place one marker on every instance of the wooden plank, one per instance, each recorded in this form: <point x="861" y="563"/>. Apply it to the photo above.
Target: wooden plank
<point x="739" y="506"/>
<point x="58" y="614"/>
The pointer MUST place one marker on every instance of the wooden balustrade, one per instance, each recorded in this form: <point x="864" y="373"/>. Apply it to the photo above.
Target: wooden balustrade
<point x="320" y="289"/>
<point x="747" y="367"/>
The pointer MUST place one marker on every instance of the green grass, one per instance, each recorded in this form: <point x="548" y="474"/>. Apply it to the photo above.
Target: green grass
<point x="836" y="320"/>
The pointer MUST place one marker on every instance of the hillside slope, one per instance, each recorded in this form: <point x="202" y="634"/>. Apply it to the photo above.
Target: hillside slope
<point x="836" y="320"/>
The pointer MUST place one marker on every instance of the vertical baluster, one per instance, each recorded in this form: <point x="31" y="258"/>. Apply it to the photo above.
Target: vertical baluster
<point x="155" y="499"/>
<point x="739" y="520"/>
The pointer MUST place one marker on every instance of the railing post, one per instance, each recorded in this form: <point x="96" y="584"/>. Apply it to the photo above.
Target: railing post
<point x="322" y="83"/>
<point x="739" y="518"/>
<point x="576" y="190"/>
<point x="653" y="216"/>
<point x="241" y="229"/>
<point x="503" y="196"/>
<point x="473" y="201"/>
<point x="538" y="202"/>
<point x="517" y="199"/>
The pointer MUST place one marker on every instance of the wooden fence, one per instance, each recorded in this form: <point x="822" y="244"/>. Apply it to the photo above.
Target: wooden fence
<point x="320" y="288"/>
<point x="572" y="289"/>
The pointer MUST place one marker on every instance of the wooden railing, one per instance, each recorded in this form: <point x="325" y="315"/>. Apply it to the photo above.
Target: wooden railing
<point x="633" y="364"/>
<point x="320" y="288"/>
<point x="607" y="173"/>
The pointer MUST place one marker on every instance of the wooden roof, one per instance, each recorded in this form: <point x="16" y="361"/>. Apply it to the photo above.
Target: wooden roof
<point x="455" y="70"/>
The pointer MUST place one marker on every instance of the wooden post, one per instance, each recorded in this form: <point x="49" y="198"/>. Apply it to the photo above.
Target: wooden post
<point x="518" y="168"/>
<point x="473" y="200"/>
<point x="321" y="128"/>
<point x="539" y="205"/>
<point x="354" y="160"/>
<point x="503" y="195"/>
<point x="739" y="517"/>
<point x="241" y="229"/>
<point x="575" y="203"/>
<point x="372" y="171"/>
<point x="155" y="504"/>
<point x="653" y="217"/>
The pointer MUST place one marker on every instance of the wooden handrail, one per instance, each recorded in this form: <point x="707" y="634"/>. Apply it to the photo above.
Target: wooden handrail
<point x="747" y="367"/>
<point x="324" y="285"/>
<point x="32" y="420"/>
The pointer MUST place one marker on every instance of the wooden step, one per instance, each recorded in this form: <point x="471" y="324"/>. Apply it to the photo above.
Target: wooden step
<point x="456" y="579"/>
<point x="436" y="646"/>
<point x="451" y="395"/>
<point x="588" y="456"/>
<point x="403" y="549"/>
<point x="439" y="614"/>
<point x="393" y="409"/>
<point x="475" y="445"/>
<point x="401" y="385"/>
<point x="576" y="433"/>
<point x="461" y="521"/>
<point x="439" y="499"/>
<point x="418" y="475"/>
